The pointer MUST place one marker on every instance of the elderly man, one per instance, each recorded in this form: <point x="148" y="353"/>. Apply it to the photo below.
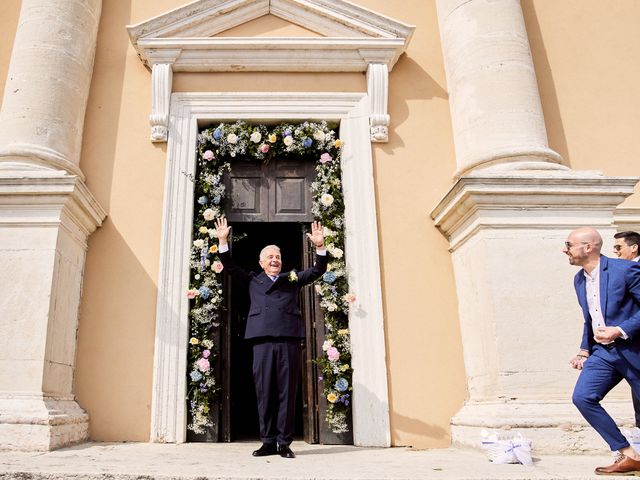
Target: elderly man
<point x="608" y="292"/>
<point x="275" y="328"/>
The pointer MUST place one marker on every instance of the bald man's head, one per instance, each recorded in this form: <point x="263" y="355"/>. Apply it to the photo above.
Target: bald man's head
<point x="583" y="246"/>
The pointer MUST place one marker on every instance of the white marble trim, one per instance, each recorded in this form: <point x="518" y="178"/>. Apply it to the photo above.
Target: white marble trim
<point x="371" y="407"/>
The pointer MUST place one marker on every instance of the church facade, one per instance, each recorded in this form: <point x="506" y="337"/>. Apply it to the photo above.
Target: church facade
<point x="472" y="136"/>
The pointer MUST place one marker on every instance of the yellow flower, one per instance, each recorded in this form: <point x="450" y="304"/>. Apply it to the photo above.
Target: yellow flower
<point x="343" y="331"/>
<point x="203" y="230"/>
<point x="344" y="367"/>
<point x="338" y="143"/>
<point x="194" y="341"/>
<point x="213" y="249"/>
<point x="332" y="397"/>
<point x="272" y="138"/>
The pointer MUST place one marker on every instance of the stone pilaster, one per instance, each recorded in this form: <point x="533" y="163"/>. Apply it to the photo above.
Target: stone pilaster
<point x="46" y="216"/>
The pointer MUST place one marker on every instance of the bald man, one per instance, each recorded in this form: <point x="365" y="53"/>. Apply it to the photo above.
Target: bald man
<point x="608" y="291"/>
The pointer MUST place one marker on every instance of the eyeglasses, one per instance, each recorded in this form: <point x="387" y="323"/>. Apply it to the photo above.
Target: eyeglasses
<point x="569" y="244"/>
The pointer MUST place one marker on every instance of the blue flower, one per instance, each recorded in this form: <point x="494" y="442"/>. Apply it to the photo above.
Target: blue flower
<point x="217" y="134"/>
<point x="342" y="384"/>
<point x="205" y="292"/>
<point x="307" y="142"/>
<point x="203" y="200"/>
<point x="195" y="376"/>
<point x="329" y="277"/>
<point x="216" y="199"/>
<point x="287" y="132"/>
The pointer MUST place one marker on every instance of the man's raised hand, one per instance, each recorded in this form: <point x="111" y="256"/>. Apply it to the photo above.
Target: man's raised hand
<point x="317" y="234"/>
<point x="222" y="230"/>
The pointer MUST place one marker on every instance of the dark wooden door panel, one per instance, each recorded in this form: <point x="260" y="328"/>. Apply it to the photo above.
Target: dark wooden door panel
<point x="277" y="192"/>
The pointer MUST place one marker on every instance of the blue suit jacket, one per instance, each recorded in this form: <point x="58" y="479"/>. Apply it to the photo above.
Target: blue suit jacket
<point x="620" y="303"/>
<point x="274" y="310"/>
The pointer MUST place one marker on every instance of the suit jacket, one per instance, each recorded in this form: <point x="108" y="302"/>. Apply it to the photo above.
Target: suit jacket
<point x="620" y="303"/>
<point x="274" y="309"/>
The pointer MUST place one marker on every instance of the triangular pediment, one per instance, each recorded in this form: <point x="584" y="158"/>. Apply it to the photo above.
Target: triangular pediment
<point x="190" y="37"/>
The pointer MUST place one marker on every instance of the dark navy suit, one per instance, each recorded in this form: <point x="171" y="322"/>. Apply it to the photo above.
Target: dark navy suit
<point x="608" y="365"/>
<point x="275" y="327"/>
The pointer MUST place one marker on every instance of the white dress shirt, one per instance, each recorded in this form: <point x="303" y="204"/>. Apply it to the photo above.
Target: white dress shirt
<point x="593" y="300"/>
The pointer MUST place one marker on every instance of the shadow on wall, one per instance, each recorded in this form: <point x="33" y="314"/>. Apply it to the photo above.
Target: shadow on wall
<point x="416" y="427"/>
<point x="546" y="85"/>
<point x="115" y="351"/>
<point x="105" y="99"/>
<point x="408" y="81"/>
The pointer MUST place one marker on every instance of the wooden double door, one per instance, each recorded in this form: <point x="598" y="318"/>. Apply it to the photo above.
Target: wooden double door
<point x="270" y="204"/>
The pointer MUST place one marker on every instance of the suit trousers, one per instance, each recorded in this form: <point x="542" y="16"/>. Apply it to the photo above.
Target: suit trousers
<point x="636" y="407"/>
<point x="276" y="373"/>
<point x="602" y="371"/>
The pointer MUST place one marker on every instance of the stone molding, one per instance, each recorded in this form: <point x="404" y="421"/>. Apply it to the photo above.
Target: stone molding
<point x="478" y="201"/>
<point x="627" y="218"/>
<point x="378" y="90"/>
<point x="356" y="40"/>
<point x="366" y="321"/>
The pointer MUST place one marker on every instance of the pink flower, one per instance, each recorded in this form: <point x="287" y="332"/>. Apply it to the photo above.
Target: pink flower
<point x="264" y="148"/>
<point x="191" y="294"/>
<point x="350" y="297"/>
<point x="206" y="353"/>
<point x="333" y="354"/>
<point x="208" y="155"/>
<point x="325" y="157"/>
<point x="217" y="266"/>
<point x="203" y="365"/>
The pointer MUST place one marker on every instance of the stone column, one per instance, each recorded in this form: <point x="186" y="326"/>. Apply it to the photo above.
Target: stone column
<point x="46" y="216"/>
<point x="495" y="105"/>
<point x="506" y="218"/>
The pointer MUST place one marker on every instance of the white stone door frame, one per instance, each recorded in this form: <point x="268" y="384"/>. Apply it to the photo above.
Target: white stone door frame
<point x="366" y="322"/>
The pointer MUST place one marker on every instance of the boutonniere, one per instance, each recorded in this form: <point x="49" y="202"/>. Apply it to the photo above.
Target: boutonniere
<point x="293" y="276"/>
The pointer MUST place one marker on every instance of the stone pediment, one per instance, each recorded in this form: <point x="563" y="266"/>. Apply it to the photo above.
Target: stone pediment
<point x="351" y="38"/>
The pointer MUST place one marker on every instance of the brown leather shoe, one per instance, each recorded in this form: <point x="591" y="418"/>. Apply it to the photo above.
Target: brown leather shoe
<point x="622" y="466"/>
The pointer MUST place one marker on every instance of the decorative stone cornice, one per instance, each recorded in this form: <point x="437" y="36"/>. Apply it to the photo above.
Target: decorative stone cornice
<point x="627" y="218"/>
<point x="353" y="39"/>
<point x="479" y="201"/>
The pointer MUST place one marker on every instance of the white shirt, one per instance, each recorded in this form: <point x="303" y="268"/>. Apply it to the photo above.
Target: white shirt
<point x="593" y="297"/>
<point x="593" y="300"/>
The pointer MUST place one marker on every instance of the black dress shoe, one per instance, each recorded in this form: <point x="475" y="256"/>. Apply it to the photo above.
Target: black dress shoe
<point x="285" y="451"/>
<point x="266" y="449"/>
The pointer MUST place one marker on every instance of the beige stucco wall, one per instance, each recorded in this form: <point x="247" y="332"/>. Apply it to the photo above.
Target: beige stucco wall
<point x="9" y="13"/>
<point x="584" y="52"/>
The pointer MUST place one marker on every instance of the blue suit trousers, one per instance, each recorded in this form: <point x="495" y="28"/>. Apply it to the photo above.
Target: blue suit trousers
<point x="602" y="371"/>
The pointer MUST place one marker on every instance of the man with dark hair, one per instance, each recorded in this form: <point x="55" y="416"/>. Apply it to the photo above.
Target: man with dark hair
<point x="627" y="245"/>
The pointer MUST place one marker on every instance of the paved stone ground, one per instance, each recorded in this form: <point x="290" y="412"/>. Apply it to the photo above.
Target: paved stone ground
<point x="129" y="461"/>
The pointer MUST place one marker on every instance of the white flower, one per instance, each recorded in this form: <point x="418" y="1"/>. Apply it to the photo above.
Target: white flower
<point x="327" y="232"/>
<point x="255" y="137"/>
<point x="319" y="135"/>
<point x="335" y="252"/>
<point x="212" y="233"/>
<point x="288" y="140"/>
<point x="327" y="345"/>
<point x="232" y="138"/>
<point x="326" y="199"/>
<point x="208" y="214"/>
<point x="198" y="243"/>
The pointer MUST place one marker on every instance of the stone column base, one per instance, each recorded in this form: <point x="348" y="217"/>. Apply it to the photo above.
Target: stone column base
<point x="553" y="428"/>
<point x="37" y="423"/>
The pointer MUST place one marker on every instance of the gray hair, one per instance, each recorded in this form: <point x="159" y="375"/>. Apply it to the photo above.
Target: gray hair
<point x="263" y="252"/>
